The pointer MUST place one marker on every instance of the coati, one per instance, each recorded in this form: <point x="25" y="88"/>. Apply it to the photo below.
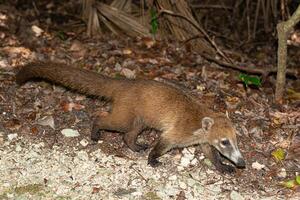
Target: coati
<point x="139" y="104"/>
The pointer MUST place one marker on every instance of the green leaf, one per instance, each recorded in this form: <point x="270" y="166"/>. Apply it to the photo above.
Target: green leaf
<point x="278" y="154"/>
<point x="154" y="22"/>
<point x="289" y="184"/>
<point x="118" y="75"/>
<point x="298" y="180"/>
<point x="250" y="80"/>
<point x="61" y="35"/>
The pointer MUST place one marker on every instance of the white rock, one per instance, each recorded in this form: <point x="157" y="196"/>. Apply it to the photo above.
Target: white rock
<point x="37" y="30"/>
<point x="236" y="196"/>
<point x="194" y="161"/>
<point x="180" y="168"/>
<point x="83" y="155"/>
<point x="182" y="185"/>
<point x="12" y="136"/>
<point x="256" y="165"/>
<point x="192" y="150"/>
<point x="18" y="148"/>
<point x="118" y="67"/>
<point x="170" y="190"/>
<point x="188" y="154"/>
<point x="84" y="142"/>
<point x="201" y="157"/>
<point x="282" y="173"/>
<point x="173" y="178"/>
<point x="185" y="161"/>
<point x="70" y="132"/>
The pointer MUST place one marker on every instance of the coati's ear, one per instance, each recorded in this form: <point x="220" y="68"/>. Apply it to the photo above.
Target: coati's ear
<point x="207" y="123"/>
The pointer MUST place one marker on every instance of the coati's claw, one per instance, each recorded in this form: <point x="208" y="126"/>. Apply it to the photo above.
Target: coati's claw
<point x="95" y="138"/>
<point x="154" y="163"/>
<point x="226" y="169"/>
<point x="141" y="147"/>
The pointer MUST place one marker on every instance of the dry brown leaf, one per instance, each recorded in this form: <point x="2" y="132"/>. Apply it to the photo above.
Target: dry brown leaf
<point x="70" y="106"/>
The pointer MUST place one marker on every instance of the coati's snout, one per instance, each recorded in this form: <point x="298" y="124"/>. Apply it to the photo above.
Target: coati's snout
<point x="230" y="150"/>
<point x="222" y="135"/>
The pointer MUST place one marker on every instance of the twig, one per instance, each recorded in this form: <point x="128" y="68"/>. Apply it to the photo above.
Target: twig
<point x="131" y="166"/>
<point x="264" y="72"/>
<point x="212" y="7"/>
<point x="169" y="12"/>
<point x="192" y="38"/>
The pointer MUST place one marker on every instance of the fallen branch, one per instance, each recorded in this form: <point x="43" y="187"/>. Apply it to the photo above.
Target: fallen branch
<point x="264" y="72"/>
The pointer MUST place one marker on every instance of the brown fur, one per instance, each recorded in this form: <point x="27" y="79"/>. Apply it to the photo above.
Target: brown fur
<point x="138" y="104"/>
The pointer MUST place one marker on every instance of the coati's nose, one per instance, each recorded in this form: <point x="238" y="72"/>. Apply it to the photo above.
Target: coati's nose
<point x="241" y="163"/>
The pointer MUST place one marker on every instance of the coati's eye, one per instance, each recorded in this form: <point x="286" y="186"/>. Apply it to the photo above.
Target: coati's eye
<point x="225" y="142"/>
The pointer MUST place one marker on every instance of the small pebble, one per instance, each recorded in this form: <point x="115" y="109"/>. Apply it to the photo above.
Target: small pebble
<point x="12" y="136"/>
<point x="84" y="142"/>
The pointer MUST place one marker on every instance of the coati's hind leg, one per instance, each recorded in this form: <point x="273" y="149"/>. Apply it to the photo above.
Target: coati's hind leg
<point x="109" y="122"/>
<point x="214" y="156"/>
<point x="159" y="149"/>
<point x="130" y="137"/>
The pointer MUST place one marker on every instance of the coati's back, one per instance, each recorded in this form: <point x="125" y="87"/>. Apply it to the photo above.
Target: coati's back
<point x="152" y="100"/>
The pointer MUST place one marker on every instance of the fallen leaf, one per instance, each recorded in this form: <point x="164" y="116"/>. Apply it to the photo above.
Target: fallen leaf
<point x="70" y="106"/>
<point x="96" y="190"/>
<point x="298" y="180"/>
<point x="37" y="30"/>
<point x="289" y="184"/>
<point x="76" y="46"/>
<point x="13" y="124"/>
<point x="47" y="121"/>
<point x="278" y="154"/>
<point x="34" y="130"/>
<point x="148" y="42"/>
<point x="256" y="165"/>
<point x="127" y="51"/>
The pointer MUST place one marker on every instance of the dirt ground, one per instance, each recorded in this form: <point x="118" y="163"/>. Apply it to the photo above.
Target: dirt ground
<point x="38" y="161"/>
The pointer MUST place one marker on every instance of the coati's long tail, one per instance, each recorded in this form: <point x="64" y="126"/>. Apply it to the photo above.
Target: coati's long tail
<point x="84" y="81"/>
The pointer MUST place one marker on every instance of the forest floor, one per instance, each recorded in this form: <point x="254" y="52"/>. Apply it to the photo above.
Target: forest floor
<point x="39" y="160"/>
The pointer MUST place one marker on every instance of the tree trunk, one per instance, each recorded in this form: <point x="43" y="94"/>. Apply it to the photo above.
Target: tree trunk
<point x="283" y="28"/>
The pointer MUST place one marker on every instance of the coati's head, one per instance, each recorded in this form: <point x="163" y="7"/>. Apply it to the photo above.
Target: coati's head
<point x="221" y="134"/>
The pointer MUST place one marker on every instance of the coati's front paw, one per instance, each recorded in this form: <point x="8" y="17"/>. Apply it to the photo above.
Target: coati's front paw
<point x="154" y="163"/>
<point x="225" y="169"/>
<point x="95" y="137"/>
